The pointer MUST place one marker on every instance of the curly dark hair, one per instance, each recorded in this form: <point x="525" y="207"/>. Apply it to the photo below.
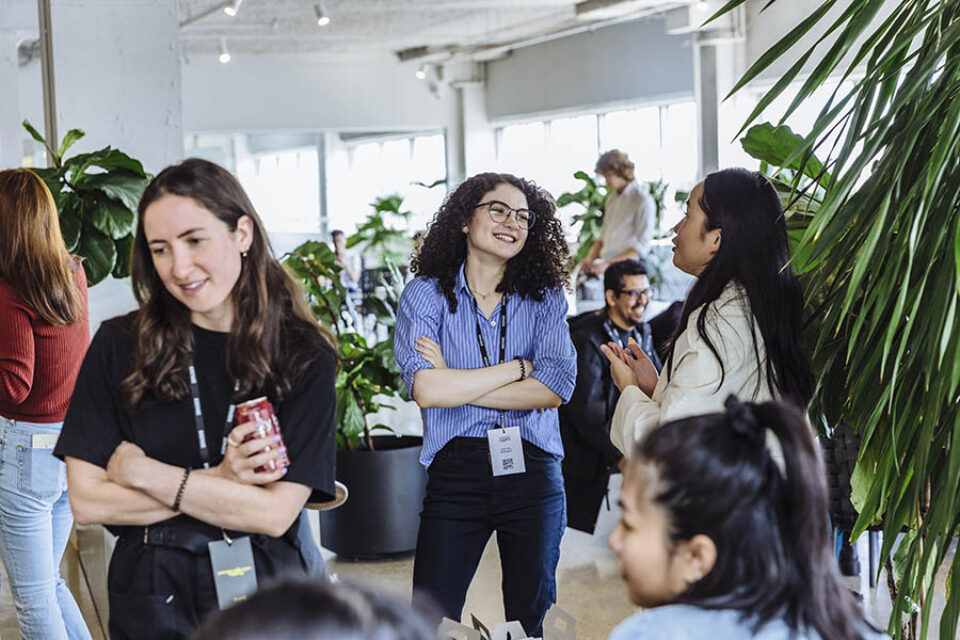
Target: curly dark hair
<point x="540" y="265"/>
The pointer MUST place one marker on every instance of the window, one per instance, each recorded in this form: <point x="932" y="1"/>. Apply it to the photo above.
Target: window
<point x="359" y="173"/>
<point x="660" y="140"/>
<point x="284" y="187"/>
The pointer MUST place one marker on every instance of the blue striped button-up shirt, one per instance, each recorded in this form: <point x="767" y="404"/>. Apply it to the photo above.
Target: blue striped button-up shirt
<point x="536" y="331"/>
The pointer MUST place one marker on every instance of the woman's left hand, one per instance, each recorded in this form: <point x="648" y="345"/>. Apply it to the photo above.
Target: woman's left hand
<point x="122" y="463"/>
<point x="621" y="372"/>
<point x="430" y="351"/>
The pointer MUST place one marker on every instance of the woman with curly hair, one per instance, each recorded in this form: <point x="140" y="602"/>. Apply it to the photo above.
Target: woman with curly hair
<point x="484" y="348"/>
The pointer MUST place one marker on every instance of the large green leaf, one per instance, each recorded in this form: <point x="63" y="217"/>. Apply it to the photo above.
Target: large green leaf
<point x="70" y="224"/>
<point x="109" y="216"/>
<point x="124" y="253"/>
<point x="68" y="140"/>
<point x="39" y="138"/>
<point x="100" y="254"/>
<point x="125" y="186"/>
<point x="108" y="159"/>
<point x="775" y="145"/>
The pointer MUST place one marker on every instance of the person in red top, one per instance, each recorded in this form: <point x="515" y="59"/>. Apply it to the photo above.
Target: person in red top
<point x="44" y="332"/>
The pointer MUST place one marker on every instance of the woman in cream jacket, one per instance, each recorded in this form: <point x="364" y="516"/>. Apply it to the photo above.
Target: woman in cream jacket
<point x="739" y="330"/>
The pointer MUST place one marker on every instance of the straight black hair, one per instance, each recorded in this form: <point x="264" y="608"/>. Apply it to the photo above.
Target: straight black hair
<point x="613" y="276"/>
<point x="755" y="253"/>
<point x="715" y="475"/>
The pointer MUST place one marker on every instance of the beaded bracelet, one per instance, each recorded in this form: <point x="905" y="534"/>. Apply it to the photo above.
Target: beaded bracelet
<point x="523" y="368"/>
<point x="183" y="485"/>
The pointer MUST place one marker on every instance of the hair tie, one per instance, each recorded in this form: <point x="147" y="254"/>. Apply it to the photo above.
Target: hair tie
<point x="742" y="421"/>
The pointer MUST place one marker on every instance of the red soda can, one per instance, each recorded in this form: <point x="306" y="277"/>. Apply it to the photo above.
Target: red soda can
<point x="260" y="411"/>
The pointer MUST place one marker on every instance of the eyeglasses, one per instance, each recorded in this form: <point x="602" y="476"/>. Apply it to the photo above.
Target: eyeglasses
<point x="499" y="212"/>
<point x="636" y="294"/>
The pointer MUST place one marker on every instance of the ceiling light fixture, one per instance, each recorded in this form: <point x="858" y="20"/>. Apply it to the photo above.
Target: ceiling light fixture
<point x="422" y="72"/>
<point x="232" y="8"/>
<point x="224" y="57"/>
<point x="322" y="18"/>
<point x="703" y="6"/>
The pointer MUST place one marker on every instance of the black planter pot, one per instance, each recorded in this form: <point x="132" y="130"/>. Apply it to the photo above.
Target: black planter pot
<point x="382" y="515"/>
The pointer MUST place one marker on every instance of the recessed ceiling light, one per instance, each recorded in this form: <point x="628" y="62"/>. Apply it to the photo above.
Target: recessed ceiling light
<point x="322" y="18"/>
<point x="232" y="8"/>
<point x="224" y="56"/>
<point x="703" y="6"/>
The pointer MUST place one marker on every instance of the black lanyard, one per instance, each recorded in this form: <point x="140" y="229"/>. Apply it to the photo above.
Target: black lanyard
<point x="503" y="337"/>
<point x="198" y="420"/>
<point x="619" y="338"/>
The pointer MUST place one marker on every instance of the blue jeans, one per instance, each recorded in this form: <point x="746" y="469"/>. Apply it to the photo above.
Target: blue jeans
<point x="35" y="522"/>
<point x="312" y="557"/>
<point x="465" y="504"/>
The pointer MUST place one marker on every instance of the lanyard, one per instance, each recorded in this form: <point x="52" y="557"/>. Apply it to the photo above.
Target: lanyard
<point x="618" y="337"/>
<point x="503" y="337"/>
<point x="198" y="420"/>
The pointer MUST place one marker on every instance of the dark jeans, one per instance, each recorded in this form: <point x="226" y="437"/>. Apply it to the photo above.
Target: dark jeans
<point x="465" y="504"/>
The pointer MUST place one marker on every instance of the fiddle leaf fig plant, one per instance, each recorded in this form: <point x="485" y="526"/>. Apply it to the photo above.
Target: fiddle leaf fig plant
<point x="96" y="195"/>
<point x="593" y="198"/>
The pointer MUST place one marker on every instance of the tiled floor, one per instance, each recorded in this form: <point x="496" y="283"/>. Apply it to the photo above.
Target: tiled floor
<point x="590" y="588"/>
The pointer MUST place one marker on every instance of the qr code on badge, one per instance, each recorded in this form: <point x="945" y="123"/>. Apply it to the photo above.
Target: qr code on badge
<point x="508" y="464"/>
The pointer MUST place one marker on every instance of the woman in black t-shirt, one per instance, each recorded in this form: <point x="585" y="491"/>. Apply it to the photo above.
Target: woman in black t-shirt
<point x="214" y="301"/>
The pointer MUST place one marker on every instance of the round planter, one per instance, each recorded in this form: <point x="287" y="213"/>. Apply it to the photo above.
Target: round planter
<point x="382" y="515"/>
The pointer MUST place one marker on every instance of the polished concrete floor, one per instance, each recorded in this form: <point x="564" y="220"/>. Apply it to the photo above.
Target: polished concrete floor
<point x="589" y="584"/>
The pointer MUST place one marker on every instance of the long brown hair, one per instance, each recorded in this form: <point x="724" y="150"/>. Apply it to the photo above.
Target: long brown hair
<point x="34" y="261"/>
<point x="274" y="336"/>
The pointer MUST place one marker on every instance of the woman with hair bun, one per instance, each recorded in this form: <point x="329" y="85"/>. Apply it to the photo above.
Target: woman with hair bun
<point x="149" y="440"/>
<point x="722" y="538"/>
<point x="483" y="345"/>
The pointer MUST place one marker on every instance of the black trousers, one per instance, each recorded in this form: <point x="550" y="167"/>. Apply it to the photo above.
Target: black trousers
<point x="465" y="504"/>
<point x="163" y="589"/>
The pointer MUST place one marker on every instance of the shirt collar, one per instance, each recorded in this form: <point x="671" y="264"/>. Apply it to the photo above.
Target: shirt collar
<point x="461" y="283"/>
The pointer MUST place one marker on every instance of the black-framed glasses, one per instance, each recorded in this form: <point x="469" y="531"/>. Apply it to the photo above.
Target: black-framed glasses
<point x="636" y="294"/>
<point x="499" y="212"/>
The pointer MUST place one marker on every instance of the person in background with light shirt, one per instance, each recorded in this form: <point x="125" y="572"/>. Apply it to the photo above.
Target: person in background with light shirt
<point x="628" y="217"/>
<point x="483" y="345"/>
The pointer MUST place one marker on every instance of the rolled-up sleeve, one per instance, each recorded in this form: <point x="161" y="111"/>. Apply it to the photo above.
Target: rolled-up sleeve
<point x="418" y="316"/>
<point x="554" y="356"/>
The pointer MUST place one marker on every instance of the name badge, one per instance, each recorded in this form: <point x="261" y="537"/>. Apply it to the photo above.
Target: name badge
<point x="506" y="451"/>
<point x="44" y="440"/>
<point x="234" y="574"/>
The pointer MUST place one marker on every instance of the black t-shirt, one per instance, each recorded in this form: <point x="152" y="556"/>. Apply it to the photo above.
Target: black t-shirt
<point x="96" y="423"/>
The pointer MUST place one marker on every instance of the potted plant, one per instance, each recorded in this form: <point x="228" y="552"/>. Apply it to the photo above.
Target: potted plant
<point x="880" y="258"/>
<point x="97" y="196"/>
<point x="382" y="472"/>
<point x="593" y="198"/>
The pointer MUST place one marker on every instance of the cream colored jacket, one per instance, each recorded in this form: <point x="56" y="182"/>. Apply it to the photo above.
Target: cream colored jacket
<point x="694" y="386"/>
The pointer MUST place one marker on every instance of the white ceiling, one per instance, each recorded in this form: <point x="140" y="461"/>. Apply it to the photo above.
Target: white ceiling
<point x="376" y="27"/>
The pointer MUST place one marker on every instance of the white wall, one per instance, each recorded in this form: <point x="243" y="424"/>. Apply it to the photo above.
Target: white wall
<point x="270" y="92"/>
<point x="630" y="62"/>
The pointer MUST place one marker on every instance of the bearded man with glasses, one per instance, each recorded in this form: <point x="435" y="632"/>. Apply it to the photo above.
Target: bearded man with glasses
<point x="589" y="456"/>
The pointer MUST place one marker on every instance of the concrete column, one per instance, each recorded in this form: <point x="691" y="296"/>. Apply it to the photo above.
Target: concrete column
<point x="478" y="134"/>
<point x="456" y="142"/>
<point x="11" y="146"/>
<point x="708" y="100"/>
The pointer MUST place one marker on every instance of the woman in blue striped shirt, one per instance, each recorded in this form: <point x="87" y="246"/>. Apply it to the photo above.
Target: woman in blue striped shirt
<point x="483" y="345"/>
